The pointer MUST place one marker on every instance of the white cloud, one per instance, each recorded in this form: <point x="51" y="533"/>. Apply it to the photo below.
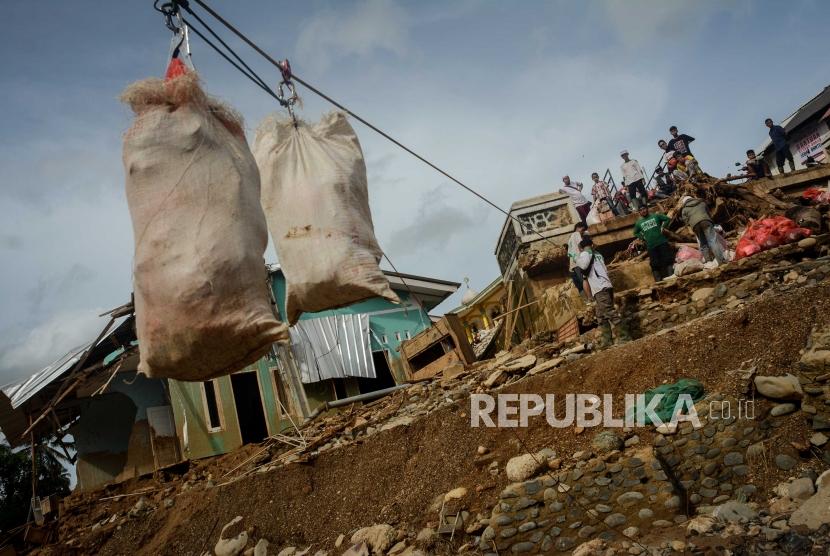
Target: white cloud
<point x="640" y="22"/>
<point x="48" y="341"/>
<point x="360" y="30"/>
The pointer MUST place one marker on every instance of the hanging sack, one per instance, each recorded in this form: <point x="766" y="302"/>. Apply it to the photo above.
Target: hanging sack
<point x="203" y="308"/>
<point x="316" y="202"/>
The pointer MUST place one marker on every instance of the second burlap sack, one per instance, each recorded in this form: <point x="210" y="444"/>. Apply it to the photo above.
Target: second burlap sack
<point x="316" y="202"/>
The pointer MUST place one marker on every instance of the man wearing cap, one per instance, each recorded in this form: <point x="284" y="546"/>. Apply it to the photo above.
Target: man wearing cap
<point x="574" y="191"/>
<point x="695" y="215"/>
<point x="635" y="179"/>
<point x="596" y="274"/>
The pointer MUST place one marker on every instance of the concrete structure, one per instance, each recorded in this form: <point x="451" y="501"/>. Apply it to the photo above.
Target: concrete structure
<point x="478" y="314"/>
<point x="126" y="425"/>
<point x="122" y="422"/>
<point x="219" y="415"/>
<point x="546" y="218"/>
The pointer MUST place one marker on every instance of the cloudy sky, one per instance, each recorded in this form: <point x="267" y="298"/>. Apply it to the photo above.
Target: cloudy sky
<point x="508" y="96"/>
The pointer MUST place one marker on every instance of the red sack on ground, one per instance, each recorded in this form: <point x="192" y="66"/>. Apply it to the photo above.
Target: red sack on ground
<point x="768" y="233"/>
<point x="812" y="194"/>
<point x="746" y="248"/>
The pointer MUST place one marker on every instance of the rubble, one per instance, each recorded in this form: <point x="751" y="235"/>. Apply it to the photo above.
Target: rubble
<point x="493" y="495"/>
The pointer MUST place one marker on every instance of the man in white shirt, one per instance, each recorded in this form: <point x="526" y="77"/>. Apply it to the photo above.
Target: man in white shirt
<point x="574" y="191"/>
<point x="635" y="179"/>
<point x="573" y="253"/>
<point x="599" y="285"/>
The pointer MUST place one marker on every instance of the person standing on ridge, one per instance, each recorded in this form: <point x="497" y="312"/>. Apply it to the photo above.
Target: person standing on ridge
<point x="781" y="145"/>
<point x="600" y="192"/>
<point x="679" y="143"/>
<point x="635" y="179"/>
<point x="574" y="191"/>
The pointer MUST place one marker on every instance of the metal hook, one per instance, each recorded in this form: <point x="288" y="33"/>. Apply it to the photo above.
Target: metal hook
<point x="286" y="84"/>
<point x="170" y="10"/>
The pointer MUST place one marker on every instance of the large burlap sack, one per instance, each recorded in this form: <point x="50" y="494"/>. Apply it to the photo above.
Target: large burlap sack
<point x="316" y="202"/>
<point x="201" y="288"/>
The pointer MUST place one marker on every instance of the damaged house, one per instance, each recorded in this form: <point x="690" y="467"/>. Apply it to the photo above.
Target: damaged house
<point x="333" y="355"/>
<point x="121" y="421"/>
<point x="126" y="425"/>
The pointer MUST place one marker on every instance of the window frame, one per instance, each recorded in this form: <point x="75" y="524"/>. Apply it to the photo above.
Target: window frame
<point x="217" y="398"/>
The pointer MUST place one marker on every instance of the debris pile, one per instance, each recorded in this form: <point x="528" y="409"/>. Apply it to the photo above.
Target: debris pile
<point x="542" y="489"/>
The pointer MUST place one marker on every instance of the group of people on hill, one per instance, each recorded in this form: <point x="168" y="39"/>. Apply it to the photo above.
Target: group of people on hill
<point x="677" y="164"/>
<point x="587" y="267"/>
<point x="590" y="273"/>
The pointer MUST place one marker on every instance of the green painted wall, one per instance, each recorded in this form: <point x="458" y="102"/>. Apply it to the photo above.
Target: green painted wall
<point x="187" y="397"/>
<point x="387" y="321"/>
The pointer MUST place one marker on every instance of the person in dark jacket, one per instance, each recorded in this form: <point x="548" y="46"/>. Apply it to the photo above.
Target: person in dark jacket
<point x="695" y="215"/>
<point x="781" y="145"/>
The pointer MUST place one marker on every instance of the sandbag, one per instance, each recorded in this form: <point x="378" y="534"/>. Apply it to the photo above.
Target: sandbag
<point x="316" y="202"/>
<point x="202" y="303"/>
<point x="686" y="253"/>
<point x="689" y="266"/>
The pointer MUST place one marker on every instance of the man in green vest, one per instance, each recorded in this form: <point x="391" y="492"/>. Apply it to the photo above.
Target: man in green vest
<point x="649" y="230"/>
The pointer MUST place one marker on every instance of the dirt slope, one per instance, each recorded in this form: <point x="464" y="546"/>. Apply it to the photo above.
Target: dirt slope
<point x="394" y="476"/>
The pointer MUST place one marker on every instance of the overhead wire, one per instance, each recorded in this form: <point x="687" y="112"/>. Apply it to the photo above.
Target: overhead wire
<point x="287" y="72"/>
<point x="185" y="5"/>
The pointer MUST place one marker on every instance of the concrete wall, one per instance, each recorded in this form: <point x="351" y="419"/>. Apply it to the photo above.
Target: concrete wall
<point x="388" y="323"/>
<point x="112" y="436"/>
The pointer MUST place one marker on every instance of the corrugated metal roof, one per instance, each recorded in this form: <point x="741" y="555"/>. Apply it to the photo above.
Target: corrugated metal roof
<point x="333" y="347"/>
<point x="21" y="391"/>
<point x="13" y="416"/>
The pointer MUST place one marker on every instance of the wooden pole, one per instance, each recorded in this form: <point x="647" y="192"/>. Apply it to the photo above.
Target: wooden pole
<point x="534" y="302"/>
<point x="34" y="461"/>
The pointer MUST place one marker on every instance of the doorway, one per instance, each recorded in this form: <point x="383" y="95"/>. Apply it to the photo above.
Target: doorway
<point x="383" y="375"/>
<point x="248" y="402"/>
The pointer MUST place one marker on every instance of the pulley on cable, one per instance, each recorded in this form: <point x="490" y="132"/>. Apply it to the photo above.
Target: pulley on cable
<point x="178" y="58"/>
